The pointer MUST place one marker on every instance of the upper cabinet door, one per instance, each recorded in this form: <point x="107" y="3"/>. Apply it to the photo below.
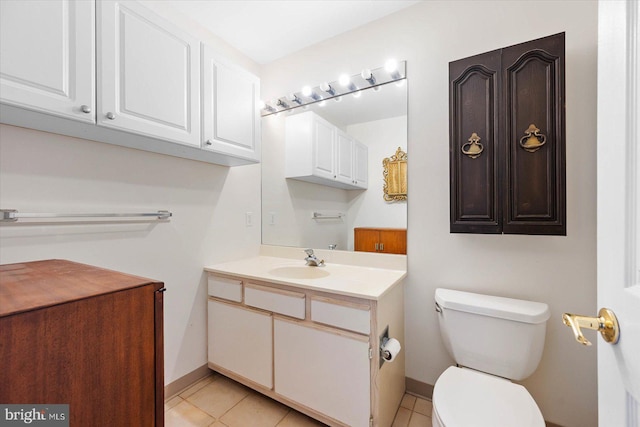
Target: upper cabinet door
<point x="324" y="149"/>
<point x="148" y="74"/>
<point x="47" y="50"/>
<point x="230" y="111"/>
<point x="344" y="161"/>
<point x="360" y="164"/>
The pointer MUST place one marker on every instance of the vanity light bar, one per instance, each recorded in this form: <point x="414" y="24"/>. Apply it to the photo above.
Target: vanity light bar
<point x="392" y="72"/>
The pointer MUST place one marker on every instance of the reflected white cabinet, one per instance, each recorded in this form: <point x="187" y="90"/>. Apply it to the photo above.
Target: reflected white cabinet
<point x="317" y="151"/>
<point x="230" y="111"/>
<point x="47" y="50"/>
<point x="148" y="74"/>
<point x="360" y="164"/>
<point x="240" y="340"/>
<point x="323" y="369"/>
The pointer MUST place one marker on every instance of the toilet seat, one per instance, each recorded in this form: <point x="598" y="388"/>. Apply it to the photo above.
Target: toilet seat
<point x="464" y="397"/>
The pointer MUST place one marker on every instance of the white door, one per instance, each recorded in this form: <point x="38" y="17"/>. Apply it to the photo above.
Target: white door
<point x="360" y="164"/>
<point x="47" y="51"/>
<point x="148" y="74"/>
<point x="619" y="210"/>
<point x="230" y="111"/>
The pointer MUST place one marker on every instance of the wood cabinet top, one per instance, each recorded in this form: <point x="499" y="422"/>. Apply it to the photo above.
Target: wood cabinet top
<point x="38" y="284"/>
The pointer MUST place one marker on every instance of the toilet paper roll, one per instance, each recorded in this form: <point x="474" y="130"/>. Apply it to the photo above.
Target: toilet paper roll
<point x="390" y="349"/>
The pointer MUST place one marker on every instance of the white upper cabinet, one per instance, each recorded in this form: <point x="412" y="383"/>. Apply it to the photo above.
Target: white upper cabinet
<point x="230" y="111"/>
<point x="148" y="74"/>
<point x="319" y="152"/>
<point x="47" y="51"/>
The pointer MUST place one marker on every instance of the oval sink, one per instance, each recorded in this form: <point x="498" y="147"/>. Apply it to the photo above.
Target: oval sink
<point x="302" y="272"/>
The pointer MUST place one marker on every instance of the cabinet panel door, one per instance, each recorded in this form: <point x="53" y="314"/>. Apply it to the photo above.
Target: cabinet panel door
<point x="324" y="149"/>
<point x="230" y="113"/>
<point x="360" y="164"/>
<point x="47" y="50"/>
<point x="474" y="111"/>
<point x="148" y="81"/>
<point x="323" y="370"/>
<point x="240" y="340"/>
<point x="393" y="241"/>
<point x="533" y="81"/>
<point x="344" y="161"/>
<point x="366" y="239"/>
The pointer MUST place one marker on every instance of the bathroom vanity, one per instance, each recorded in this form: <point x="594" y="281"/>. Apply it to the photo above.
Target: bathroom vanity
<point x="310" y="337"/>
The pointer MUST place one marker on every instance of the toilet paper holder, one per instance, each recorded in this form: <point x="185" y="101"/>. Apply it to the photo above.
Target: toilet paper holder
<point x="385" y="355"/>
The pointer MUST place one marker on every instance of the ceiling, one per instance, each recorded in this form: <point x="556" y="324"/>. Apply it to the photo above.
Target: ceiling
<point x="266" y="30"/>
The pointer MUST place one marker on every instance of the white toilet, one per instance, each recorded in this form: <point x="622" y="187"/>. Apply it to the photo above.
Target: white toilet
<point x="492" y="340"/>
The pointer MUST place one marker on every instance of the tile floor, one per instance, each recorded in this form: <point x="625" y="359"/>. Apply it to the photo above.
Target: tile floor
<point x="217" y="401"/>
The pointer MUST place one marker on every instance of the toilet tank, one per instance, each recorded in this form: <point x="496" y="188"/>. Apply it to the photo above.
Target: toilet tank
<point x="496" y="335"/>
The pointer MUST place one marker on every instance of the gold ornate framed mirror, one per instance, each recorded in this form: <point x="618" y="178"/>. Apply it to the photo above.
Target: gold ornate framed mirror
<point x="395" y="177"/>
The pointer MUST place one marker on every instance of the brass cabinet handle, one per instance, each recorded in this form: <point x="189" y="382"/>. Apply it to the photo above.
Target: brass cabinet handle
<point x="532" y="139"/>
<point x="606" y="323"/>
<point x="474" y="148"/>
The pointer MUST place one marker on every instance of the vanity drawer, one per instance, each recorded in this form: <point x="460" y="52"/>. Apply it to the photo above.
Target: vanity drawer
<point x="342" y="314"/>
<point x="229" y="289"/>
<point x="275" y="300"/>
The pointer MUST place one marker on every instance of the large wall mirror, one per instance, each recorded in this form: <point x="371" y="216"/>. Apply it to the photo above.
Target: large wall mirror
<point x="305" y="214"/>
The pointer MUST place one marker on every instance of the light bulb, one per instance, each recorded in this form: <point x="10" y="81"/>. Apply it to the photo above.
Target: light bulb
<point x="322" y="103"/>
<point x="367" y="75"/>
<point x="391" y="67"/>
<point x="357" y="94"/>
<point x="344" y="80"/>
<point x="306" y="91"/>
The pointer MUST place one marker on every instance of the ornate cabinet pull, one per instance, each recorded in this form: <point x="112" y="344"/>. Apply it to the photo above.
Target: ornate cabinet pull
<point x="532" y="139"/>
<point x="473" y="147"/>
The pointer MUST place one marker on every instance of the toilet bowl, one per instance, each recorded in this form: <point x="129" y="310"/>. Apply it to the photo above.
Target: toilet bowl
<point x="492" y="339"/>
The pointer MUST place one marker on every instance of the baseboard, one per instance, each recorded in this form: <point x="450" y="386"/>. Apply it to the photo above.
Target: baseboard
<point x="185" y="381"/>
<point x="418" y="388"/>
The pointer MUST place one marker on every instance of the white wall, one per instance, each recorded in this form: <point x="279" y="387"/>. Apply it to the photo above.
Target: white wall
<point x="557" y="270"/>
<point x="42" y="172"/>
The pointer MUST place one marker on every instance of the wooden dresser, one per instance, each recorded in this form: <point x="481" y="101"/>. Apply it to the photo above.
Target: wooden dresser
<point x="85" y="336"/>
<point x="382" y="240"/>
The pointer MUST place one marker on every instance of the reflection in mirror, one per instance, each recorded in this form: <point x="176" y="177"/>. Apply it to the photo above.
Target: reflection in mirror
<point x="300" y="213"/>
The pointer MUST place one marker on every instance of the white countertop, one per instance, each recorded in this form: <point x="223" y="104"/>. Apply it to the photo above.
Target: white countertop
<point x="343" y="279"/>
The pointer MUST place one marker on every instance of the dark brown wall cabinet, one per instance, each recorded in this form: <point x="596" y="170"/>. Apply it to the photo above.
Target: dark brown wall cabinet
<point x="507" y="140"/>
<point x="84" y="336"/>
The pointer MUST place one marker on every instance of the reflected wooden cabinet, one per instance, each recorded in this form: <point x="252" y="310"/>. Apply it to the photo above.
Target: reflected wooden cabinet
<point x="507" y="140"/>
<point x="83" y="336"/>
<point x="381" y="240"/>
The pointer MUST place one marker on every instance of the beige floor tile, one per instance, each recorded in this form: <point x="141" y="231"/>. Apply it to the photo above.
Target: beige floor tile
<point x="408" y="401"/>
<point x="419" y="420"/>
<point x="255" y="411"/>
<point x="198" y="385"/>
<point x="218" y="396"/>
<point x="168" y="404"/>
<point x="185" y="414"/>
<point x="423" y="406"/>
<point x="218" y="424"/>
<point x="402" y="417"/>
<point x="296" y="419"/>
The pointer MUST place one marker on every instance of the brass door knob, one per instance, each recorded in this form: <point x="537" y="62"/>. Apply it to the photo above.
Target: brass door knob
<point x="606" y="323"/>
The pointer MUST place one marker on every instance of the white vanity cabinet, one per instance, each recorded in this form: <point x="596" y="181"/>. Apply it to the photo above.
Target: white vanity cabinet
<point x="311" y="349"/>
<point x="114" y="71"/>
<point x="48" y="57"/>
<point x="317" y="151"/>
<point x="148" y="74"/>
<point x="230" y="110"/>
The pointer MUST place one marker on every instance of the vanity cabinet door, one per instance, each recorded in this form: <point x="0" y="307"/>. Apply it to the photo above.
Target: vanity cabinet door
<point x="324" y="149"/>
<point x="48" y="57"/>
<point x="230" y="112"/>
<point x="240" y="340"/>
<point x="323" y="369"/>
<point x="148" y="74"/>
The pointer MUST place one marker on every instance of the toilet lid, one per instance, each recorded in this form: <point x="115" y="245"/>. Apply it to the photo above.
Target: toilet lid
<point x="463" y="397"/>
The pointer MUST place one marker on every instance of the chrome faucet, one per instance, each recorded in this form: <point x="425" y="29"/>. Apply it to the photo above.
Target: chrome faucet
<point x="312" y="260"/>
